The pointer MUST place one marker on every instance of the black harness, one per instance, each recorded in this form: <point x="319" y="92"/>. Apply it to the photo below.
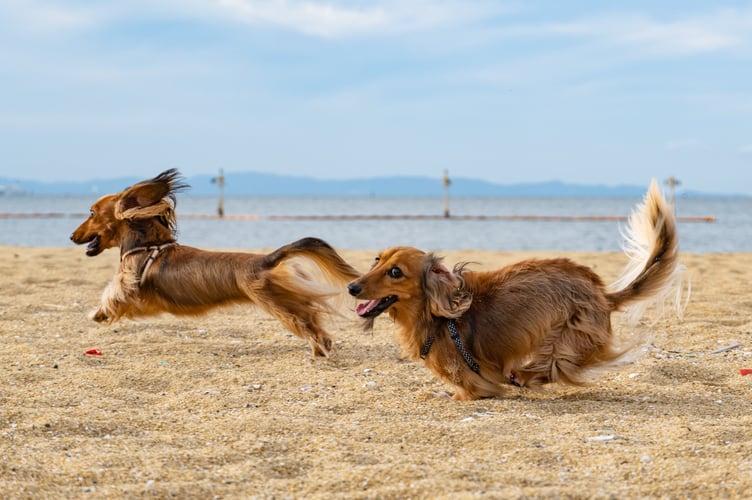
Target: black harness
<point x="457" y="341"/>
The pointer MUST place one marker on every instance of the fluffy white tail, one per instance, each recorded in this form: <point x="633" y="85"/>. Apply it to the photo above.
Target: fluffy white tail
<point x="653" y="274"/>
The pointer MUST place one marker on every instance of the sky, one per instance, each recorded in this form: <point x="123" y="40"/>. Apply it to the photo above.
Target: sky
<point x="506" y="91"/>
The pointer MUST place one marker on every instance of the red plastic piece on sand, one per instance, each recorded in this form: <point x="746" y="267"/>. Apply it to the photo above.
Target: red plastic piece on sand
<point x="93" y="352"/>
<point x="745" y="371"/>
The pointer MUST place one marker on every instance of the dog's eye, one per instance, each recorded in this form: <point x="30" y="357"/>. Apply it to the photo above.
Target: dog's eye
<point x="91" y="213"/>
<point x="395" y="272"/>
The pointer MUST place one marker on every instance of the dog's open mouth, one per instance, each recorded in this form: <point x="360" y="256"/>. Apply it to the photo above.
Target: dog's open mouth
<point x="373" y="308"/>
<point x="92" y="246"/>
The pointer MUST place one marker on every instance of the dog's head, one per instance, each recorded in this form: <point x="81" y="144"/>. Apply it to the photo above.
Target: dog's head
<point x="405" y="280"/>
<point x="148" y="207"/>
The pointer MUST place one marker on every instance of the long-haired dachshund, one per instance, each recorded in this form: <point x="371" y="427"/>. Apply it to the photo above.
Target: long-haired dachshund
<point x="528" y="324"/>
<point x="157" y="275"/>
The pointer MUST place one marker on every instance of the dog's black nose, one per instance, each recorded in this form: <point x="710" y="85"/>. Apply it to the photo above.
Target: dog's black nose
<point x="354" y="289"/>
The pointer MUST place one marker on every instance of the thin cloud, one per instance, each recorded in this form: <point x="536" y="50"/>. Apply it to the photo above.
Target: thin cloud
<point x="326" y="19"/>
<point x="332" y="20"/>
<point x="311" y="18"/>
<point x="37" y="17"/>
<point x="683" y="37"/>
<point x="709" y="32"/>
<point x="681" y="145"/>
<point x="704" y="32"/>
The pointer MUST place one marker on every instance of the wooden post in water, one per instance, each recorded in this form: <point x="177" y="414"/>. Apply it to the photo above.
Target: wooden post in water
<point x="220" y="182"/>
<point x="447" y="182"/>
<point x="672" y="182"/>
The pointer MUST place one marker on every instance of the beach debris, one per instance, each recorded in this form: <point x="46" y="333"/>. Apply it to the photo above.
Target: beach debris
<point x="483" y="414"/>
<point x="605" y="437"/>
<point x="745" y="371"/>
<point x="661" y="353"/>
<point x="370" y="383"/>
<point x="477" y="415"/>
<point x="93" y="352"/>
<point x="306" y="387"/>
<point x="56" y="307"/>
<point x="727" y="348"/>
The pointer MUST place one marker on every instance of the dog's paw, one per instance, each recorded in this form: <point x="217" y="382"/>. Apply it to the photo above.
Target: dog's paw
<point x="442" y="394"/>
<point x="512" y="379"/>
<point x="463" y="395"/>
<point x="322" y="349"/>
<point x="99" y="316"/>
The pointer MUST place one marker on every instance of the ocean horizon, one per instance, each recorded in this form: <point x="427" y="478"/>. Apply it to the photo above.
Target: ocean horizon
<point x="249" y="183"/>
<point x="48" y="220"/>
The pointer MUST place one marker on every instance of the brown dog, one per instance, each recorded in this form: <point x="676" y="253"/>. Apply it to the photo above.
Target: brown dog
<point x="527" y="324"/>
<point x="157" y="275"/>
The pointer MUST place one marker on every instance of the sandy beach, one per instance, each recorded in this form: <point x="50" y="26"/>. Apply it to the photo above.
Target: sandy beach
<point x="231" y="405"/>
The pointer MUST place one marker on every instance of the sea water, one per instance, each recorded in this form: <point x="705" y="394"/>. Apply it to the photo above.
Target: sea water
<point x="731" y="231"/>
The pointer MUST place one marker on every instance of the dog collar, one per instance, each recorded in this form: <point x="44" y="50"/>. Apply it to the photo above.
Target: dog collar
<point x="154" y="252"/>
<point x="457" y="341"/>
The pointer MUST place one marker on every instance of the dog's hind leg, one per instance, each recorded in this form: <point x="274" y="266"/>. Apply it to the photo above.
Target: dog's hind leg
<point x="306" y="325"/>
<point x="296" y="308"/>
<point x="571" y="354"/>
<point x="541" y="368"/>
<point x="290" y="295"/>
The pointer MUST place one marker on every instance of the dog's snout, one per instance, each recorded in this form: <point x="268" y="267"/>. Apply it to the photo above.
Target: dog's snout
<point x="354" y="289"/>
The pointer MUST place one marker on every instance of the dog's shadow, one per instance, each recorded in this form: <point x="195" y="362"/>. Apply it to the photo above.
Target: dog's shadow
<point x="651" y="399"/>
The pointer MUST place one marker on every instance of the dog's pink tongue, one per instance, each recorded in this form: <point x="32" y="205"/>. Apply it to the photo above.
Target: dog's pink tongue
<point x="366" y="307"/>
<point x="92" y="243"/>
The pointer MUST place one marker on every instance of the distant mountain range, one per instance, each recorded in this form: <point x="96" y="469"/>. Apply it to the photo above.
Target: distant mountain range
<point x="255" y="183"/>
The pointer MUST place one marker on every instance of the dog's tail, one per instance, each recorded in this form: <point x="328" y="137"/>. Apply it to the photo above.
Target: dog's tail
<point x="335" y="269"/>
<point x="653" y="273"/>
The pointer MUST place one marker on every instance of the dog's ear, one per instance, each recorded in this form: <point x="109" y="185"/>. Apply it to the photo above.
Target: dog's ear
<point x="445" y="290"/>
<point x="150" y="198"/>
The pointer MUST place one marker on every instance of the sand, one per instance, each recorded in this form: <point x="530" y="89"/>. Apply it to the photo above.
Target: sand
<point x="231" y="405"/>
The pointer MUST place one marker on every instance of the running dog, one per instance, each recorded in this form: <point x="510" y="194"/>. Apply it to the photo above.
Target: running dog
<point x="157" y="275"/>
<point x="528" y="324"/>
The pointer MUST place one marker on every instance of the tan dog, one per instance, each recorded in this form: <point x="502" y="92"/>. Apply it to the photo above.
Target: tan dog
<point x="527" y="324"/>
<point x="157" y="275"/>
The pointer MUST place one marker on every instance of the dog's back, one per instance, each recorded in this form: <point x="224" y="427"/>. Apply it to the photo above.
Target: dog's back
<point x="513" y="307"/>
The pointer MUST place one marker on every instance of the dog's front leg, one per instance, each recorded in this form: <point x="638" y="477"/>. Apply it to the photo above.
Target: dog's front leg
<point x="99" y="316"/>
<point x="119" y="298"/>
<point x="107" y="311"/>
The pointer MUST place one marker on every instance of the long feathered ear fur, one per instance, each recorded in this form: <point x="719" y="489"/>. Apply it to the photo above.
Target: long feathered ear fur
<point x="152" y="198"/>
<point x="445" y="290"/>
